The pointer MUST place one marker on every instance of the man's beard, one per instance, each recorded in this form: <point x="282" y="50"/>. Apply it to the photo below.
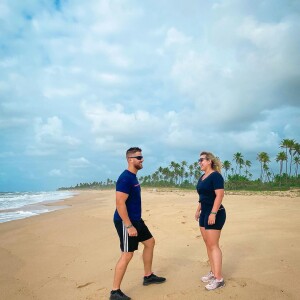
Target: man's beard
<point x="138" y="166"/>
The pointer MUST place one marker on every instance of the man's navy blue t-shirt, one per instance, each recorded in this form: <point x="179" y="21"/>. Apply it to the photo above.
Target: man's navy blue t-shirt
<point x="127" y="183"/>
<point x="206" y="189"/>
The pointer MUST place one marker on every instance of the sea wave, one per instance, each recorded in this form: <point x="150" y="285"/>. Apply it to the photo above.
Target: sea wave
<point x="20" y="205"/>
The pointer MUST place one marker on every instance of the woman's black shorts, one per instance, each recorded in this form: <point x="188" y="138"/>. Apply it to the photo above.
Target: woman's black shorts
<point x="220" y="219"/>
<point x="131" y="243"/>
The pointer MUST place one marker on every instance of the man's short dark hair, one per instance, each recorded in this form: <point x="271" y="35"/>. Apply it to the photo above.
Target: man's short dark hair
<point x="132" y="151"/>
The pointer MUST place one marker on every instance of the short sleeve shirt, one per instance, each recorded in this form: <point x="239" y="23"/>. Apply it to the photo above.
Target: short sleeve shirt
<point x="128" y="183"/>
<point x="206" y="188"/>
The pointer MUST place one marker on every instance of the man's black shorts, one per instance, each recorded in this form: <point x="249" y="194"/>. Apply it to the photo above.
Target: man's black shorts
<point x="130" y="243"/>
<point x="220" y="219"/>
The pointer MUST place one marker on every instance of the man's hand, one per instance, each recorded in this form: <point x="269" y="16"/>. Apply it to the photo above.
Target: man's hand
<point x="132" y="231"/>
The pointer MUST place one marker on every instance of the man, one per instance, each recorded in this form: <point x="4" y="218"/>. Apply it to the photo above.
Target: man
<point x="130" y="226"/>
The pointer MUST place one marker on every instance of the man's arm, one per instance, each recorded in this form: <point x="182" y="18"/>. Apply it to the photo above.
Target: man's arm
<point x="121" y="207"/>
<point x="122" y="211"/>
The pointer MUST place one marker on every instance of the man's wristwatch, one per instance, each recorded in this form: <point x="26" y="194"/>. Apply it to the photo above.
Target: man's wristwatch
<point x="129" y="226"/>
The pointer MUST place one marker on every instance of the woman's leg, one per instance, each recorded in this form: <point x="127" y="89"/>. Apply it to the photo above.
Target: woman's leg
<point x="204" y="236"/>
<point x="212" y="243"/>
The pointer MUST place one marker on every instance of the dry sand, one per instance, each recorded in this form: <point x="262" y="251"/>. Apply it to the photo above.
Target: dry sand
<point x="71" y="253"/>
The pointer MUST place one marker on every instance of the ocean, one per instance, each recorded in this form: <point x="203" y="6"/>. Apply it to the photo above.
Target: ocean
<point x="14" y="206"/>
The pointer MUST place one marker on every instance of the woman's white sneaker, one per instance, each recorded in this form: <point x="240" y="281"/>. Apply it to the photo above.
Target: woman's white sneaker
<point x="215" y="284"/>
<point x="208" y="277"/>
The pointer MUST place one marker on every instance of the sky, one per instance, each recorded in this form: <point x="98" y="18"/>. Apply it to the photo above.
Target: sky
<point x="82" y="81"/>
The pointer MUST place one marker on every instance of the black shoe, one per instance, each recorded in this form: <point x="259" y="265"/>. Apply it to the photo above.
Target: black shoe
<point x="153" y="279"/>
<point x="118" y="295"/>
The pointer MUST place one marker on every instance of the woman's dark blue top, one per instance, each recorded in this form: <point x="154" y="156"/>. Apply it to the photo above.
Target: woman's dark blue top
<point x="206" y="189"/>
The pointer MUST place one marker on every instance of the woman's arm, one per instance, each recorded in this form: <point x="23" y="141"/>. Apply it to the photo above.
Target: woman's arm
<point x="217" y="204"/>
<point x="197" y="214"/>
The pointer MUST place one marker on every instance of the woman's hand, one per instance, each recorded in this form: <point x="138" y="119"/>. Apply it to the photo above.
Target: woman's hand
<point x="197" y="215"/>
<point x="211" y="219"/>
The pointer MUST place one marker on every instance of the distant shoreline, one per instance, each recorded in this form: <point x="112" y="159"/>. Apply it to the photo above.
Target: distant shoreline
<point x="293" y="192"/>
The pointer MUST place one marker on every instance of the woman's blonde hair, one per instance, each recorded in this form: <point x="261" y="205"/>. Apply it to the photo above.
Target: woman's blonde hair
<point x="215" y="161"/>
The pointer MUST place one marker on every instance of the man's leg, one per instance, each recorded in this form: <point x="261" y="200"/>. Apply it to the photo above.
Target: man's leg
<point x="120" y="269"/>
<point x="148" y="255"/>
<point x="149" y="277"/>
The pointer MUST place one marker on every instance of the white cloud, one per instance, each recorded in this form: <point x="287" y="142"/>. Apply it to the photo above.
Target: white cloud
<point x="4" y="10"/>
<point x="82" y="83"/>
<point x="229" y="89"/>
<point x="80" y="162"/>
<point x="174" y="36"/>
<point x="108" y="78"/>
<point x="50" y="137"/>
<point x="61" y="92"/>
<point x="115" y="122"/>
<point x="55" y="173"/>
<point x="12" y="122"/>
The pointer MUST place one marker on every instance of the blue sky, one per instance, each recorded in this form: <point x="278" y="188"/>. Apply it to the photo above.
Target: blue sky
<point x="80" y="82"/>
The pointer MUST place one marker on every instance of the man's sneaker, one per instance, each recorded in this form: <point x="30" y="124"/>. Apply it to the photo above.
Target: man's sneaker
<point x="208" y="277"/>
<point x="153" y="279"/>
<point x="215" y="284"/>
<point x="118" y="295"/>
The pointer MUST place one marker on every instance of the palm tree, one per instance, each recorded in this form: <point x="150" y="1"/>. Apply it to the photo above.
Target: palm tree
<point x="182" y="170"/>
<point x="297" y="149"/>
<point x="172" y="171"/>
<point x="239" y="160"/>
<point x="197" y="171"/>
<point x="264" y="159"/>
<point x="285" y="144"/>
<point x="291" y="147"/>
<point x="281" y="157"/>
<point x="296" y="162"/>
<point x="296" y="154"/>
<point x="191" y="172"/>
<point x="226" y="166"/>
<point x="247" y="165"/>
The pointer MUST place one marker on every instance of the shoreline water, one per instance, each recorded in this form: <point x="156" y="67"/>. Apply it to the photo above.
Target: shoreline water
<point x="20" y="205"/>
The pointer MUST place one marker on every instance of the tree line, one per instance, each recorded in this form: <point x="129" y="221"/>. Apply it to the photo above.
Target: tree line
<point x="237" y="172"/>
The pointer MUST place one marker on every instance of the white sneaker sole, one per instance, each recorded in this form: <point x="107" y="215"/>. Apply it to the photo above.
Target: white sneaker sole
<point x="219" y="287"/>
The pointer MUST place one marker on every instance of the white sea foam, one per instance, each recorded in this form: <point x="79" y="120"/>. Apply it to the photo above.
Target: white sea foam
<point x="12" y="204"/>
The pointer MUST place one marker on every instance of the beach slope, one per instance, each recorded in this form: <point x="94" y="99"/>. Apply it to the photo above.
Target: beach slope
<point x="71" y="253"/>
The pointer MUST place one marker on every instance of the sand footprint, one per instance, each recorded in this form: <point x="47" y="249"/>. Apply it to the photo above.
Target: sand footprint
<point x="239" y="282"/>
<point x="84" y="285"/>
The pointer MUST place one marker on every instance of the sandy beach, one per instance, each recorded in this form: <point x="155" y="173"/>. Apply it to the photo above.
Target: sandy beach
<point x="71" y="253"/>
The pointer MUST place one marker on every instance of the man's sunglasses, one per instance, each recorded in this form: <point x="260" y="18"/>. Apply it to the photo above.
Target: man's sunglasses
<point x="201" y="159"/>
<point x="137" y="157"/>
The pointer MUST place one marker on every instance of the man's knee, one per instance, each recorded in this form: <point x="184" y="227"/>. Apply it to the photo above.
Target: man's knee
<point x="149" y="243"/>
<point x="127" y="256"/>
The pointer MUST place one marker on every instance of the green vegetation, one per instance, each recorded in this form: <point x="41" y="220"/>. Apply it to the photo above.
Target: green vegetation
<point x="237" y="173"/>
<point x="108" y="184"/>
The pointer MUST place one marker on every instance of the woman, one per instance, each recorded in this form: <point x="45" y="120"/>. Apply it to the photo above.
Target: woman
<point x="211" y="215"/>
